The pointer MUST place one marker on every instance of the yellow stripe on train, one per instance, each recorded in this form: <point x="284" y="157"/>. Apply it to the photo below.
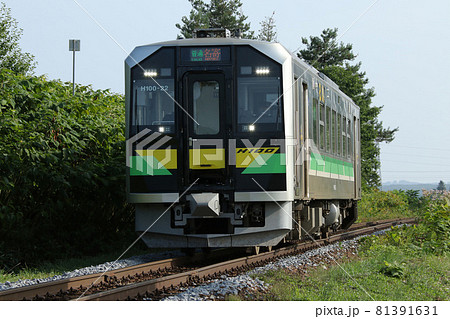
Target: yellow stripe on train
<point x="167" y="158"/>
<point x="245" y="156"/>
<point x="207" y="158"/>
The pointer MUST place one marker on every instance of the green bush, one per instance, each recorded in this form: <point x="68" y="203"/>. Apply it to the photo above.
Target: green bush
<point x="377" y="205"/>
<point x="435" y="222"/>
<point x="394" y="269"/>
<point x="62" y="172"/>
<point x="430" y="236"/>
<point x="414" y="199"/>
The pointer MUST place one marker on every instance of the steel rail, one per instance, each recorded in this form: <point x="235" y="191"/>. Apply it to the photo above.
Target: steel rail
<point x="56" y="286"/>
<point x="53" y="287"/>
<point x="153" y="285"/>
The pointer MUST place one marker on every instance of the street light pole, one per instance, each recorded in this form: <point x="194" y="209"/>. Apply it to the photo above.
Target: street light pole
<point x="74" y="45"/>
<point x="73" y="74"/>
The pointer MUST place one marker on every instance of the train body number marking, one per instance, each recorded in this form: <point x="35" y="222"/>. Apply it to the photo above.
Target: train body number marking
<point x="257" y="150"/>
<point x="154" y="88"/>
<point x="246" y="156"/>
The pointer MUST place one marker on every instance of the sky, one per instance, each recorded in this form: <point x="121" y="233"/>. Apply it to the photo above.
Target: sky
<point x="403" y="46"/>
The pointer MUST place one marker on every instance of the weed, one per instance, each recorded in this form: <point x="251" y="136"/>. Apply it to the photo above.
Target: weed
<point x="393" y="269"/>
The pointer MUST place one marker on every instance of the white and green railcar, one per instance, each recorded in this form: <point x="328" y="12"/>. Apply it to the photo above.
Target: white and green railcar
<point x="237" y="143"/>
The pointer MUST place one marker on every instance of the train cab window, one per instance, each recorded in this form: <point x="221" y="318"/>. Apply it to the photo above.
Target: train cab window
<point x="333" y="131"/>
<point x="315" y="120"/>
<point x="153" y="93"/>
<point x="259" y="99"/>
<point x="322" y="126"/>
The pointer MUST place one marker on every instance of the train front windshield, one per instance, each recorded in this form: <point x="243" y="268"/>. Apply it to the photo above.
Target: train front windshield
<point x="153" y="93"/>
<point x="259" y="102"/>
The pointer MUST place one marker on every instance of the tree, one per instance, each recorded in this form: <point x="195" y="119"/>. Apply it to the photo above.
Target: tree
<point x="11" y="56"/>
<point x="333" y="59"/>
<point x="217" y="14"/>
<point x="268" y="29"/>
<point x="322" y="52"/>
<point x="441" y="186"/>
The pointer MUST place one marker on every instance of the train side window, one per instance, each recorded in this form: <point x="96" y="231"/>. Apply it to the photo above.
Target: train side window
<point x="328" y="129"/>
<point x="315" y="119"/>
<point x="333" y="131"/>
<point x="322" y="126"/>
<point x="344" y="136"/>
<point x="349" y="139"/>
<point x="339" y="135"/>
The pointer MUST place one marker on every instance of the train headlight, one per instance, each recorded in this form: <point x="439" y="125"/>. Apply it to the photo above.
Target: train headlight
<point x="262" y="71"/>
<point x="165" y="129"/>
<point x="150" y="73"/>
<point x="248" y="128"/>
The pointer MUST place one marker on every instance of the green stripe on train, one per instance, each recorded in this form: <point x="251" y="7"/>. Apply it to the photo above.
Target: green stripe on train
<point x="330" y="165"/>
<point x="267" y="164"/>
<point x="146" y="166"/>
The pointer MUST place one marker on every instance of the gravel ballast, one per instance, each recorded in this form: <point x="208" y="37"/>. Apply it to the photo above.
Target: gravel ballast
<point x="122" y="263"/>
<point x="216" y="289"/>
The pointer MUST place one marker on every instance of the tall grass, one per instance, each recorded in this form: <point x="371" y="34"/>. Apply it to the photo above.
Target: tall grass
<point x="378" y="205"/>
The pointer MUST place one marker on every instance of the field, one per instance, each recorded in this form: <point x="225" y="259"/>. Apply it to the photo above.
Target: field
<point x="382" y="273"/>
<point x="407" y="263"/>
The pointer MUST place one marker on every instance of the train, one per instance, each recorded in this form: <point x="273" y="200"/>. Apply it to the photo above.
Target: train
<point x="234" y="142"/>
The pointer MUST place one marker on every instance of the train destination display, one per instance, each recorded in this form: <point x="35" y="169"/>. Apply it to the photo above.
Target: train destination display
<point x="215" y="54"/>
<point x="206" y="54"/>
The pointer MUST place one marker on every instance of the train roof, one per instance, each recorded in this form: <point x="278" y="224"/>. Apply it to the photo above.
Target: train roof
<point x="275" y="50"/>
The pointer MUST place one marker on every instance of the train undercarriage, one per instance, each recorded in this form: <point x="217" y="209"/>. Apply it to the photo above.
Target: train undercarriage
<point x="199" y="222"/>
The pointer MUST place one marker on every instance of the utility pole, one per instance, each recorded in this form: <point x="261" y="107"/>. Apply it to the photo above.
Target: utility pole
<point x="74" y="45"/>
<point x="379" y="167"/>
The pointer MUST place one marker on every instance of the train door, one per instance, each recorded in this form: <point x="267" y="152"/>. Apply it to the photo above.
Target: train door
<point x="205" y="135"/>
<point x="301" y="135"/>
<point x="299" y="141"/>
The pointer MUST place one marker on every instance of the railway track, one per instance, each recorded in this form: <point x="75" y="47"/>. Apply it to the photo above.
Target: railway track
<point x="162" y="277"/>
